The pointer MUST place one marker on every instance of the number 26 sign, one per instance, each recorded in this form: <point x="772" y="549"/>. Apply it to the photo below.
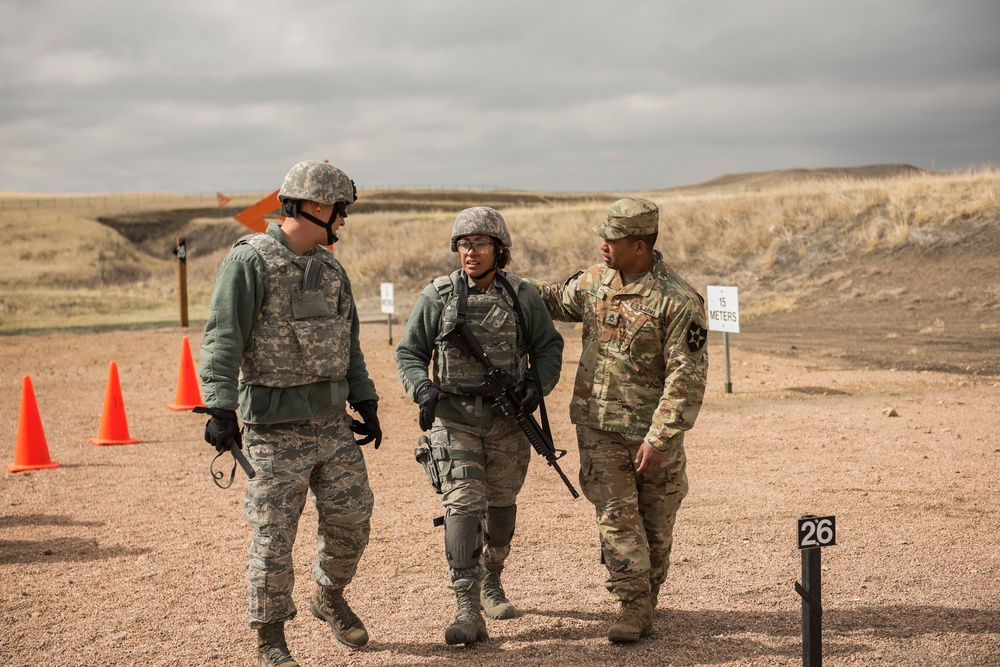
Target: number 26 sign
<point x="817" y="531"/>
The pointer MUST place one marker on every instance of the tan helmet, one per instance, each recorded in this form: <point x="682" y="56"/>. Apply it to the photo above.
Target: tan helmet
<point x="319" y="182"/>
<point x="480" y="220"/>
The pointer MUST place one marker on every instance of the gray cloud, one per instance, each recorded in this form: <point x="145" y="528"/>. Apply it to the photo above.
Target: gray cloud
<point x="225" y="95"/>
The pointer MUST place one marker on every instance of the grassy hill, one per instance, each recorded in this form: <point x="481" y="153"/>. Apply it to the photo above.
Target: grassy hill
<point x="792" y="241"/>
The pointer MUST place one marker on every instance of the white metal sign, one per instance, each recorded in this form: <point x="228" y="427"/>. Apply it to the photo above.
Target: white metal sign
<point x="387" y="300"/>
<point x="723" y="309"/>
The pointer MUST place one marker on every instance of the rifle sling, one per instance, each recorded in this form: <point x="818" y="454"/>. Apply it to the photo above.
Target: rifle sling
<point x="519" y="317"/>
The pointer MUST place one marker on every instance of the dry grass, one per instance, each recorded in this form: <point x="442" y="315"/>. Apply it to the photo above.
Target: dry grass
<point x="731" y="234"/>
<point x="813" y="221"/>
<point x="771" y="237"/>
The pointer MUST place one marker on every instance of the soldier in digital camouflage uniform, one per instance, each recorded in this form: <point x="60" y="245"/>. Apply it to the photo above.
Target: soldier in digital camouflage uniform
<point x="639" y="387"/>
<point x="281" y="346"/>
<point x="482" y="457"/>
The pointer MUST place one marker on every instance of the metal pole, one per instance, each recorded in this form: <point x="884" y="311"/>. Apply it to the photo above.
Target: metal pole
<point x="812" y="609"/>
<point x="388" y="317"/>
<point x="725" y="348"/>
<point x="182" y="290"/>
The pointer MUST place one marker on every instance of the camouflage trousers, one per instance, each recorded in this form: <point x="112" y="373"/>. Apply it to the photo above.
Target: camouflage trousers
<point x="500" y="455"/>
<point x="635" y="514"/>
<point x="318" y="455"/>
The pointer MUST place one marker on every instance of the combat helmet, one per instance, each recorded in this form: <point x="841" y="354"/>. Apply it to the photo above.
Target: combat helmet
<point x="480" y="220"/>
<point x="317" y="181"/>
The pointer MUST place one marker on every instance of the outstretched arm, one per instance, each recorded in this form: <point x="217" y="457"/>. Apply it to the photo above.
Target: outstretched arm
<point x="563" y="301"/>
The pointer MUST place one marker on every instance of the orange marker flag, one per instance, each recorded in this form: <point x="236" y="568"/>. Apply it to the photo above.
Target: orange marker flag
<point x="223" y="199"/>
<point x="253" y="217"/>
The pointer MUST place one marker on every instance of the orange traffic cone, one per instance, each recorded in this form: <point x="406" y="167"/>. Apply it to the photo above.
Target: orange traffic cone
<point x="114" y="426"/>
<point x="188" y="394"/>
<point x="32" y="452"/>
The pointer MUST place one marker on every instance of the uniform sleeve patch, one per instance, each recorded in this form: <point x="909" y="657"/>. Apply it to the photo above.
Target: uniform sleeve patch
<point x="696" y="337"/>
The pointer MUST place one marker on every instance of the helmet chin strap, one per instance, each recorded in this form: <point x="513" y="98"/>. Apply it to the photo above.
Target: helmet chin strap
<point x="496" y="259"/>
<point x="331" y="238"/>
<point x="485" y="273"/>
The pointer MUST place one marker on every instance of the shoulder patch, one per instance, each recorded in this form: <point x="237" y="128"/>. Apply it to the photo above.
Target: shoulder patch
<point x="696" y="337"/>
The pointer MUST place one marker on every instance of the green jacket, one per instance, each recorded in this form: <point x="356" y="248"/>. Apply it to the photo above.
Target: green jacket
<point x="644" y="363"/>
<point x="240" y="290"/>
<point x="418" y="344"/>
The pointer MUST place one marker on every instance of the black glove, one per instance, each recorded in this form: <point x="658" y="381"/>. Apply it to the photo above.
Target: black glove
<point x="532" y="397"/>
<point x="427" y="397"/>
<point x="222" y="429"/>
<point x="369" y="426"/>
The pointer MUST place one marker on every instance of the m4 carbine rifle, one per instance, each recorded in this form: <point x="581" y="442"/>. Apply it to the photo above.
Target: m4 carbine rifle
<point x="499" y="387"/>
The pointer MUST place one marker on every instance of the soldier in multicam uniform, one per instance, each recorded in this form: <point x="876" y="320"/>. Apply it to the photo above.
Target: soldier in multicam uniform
<point x="482" y="457"/>
<point x="281" y="345"/>
<point x="639" y="387"/>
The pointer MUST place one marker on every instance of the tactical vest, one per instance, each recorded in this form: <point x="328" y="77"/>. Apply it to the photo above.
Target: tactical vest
<point x="491" y="320"/>
<point x="303" y="332"/>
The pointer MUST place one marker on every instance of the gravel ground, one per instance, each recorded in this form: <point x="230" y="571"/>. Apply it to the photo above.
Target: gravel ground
<point x="130" y="555"/>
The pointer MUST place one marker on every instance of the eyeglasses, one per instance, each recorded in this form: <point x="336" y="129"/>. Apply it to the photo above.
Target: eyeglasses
<point x="465" y="245"/>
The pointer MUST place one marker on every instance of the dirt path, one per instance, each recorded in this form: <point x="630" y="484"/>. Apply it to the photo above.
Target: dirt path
<point x="129" y="554"/>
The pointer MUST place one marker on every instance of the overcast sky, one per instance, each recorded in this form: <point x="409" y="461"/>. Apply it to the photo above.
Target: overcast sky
<point x="226" y="95"/>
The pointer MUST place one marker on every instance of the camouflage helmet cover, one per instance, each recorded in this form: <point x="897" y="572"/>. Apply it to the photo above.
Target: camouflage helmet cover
<point x="629" y="217"/>
<point x="480" y="220"/>
<point x="319" y="182"/>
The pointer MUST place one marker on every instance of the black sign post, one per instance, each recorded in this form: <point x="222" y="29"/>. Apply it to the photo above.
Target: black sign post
<point x="180" y="250"/>
<point x="814" y="532"/>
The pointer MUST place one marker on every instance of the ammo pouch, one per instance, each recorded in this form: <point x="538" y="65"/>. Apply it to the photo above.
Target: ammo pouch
<point x="440" y="464"/>
<point x="309" y="300"/>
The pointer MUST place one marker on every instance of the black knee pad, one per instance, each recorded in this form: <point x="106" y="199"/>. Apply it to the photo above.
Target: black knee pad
<point x="500" y="525"/>
<point x="463" y="541"/>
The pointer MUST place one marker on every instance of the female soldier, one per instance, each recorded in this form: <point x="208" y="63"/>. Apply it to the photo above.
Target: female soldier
<point x="482" y="457"/>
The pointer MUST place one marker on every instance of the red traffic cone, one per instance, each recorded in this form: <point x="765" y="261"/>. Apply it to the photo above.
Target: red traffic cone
<point x="114" y="425"/>
<point x="188" y="394"/>
<point x="32" y="452"/>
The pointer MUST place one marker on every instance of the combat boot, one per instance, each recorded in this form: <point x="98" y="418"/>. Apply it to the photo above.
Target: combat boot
<point x="494" y="600"/>
<point x="635" y="620"/>
<point x="328" y="604"/>
<point x="468" y="626"/>
<point x="272" y="651"/>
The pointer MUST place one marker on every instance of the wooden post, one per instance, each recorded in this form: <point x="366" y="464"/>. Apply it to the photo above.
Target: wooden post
<point x="181" y="252"/>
